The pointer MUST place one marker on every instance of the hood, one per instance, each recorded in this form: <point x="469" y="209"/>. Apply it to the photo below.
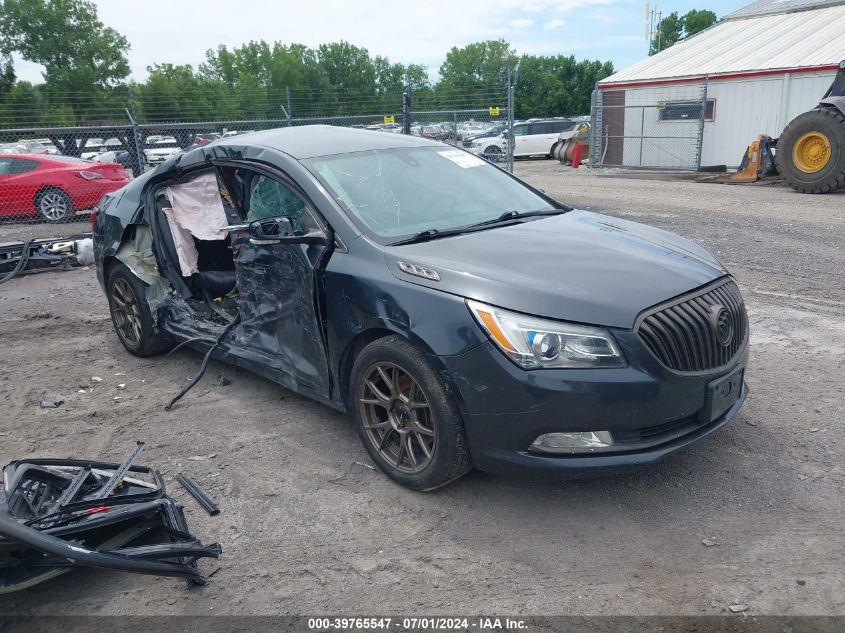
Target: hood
<point x="579" y="266"/>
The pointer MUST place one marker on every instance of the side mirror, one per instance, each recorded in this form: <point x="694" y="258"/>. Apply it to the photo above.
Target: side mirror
<point x="271" y="229"/>
<point x="278" y="230"/>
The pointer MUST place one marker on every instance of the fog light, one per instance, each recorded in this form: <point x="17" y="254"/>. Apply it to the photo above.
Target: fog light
<point x="580" y="442"/>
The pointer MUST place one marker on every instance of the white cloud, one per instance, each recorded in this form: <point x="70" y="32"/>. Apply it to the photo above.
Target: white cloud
<point x="521" y="23"/>
<point x="554" y="23"/>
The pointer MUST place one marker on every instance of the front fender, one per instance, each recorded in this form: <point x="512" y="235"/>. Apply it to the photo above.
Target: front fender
<point x="362" y="296"/>
<point x="835" y="102"/>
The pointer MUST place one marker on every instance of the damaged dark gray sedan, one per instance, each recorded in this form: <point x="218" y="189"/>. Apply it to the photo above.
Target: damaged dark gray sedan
<point x="461" y="317"/>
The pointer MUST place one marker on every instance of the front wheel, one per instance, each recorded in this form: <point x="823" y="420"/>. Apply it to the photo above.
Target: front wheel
<point x="811" y="151"/>
<point x="493" y="153"/>
<point x="406" y="417"/>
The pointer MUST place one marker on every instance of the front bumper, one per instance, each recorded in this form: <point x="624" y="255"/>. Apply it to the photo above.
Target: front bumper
<point x="649" y="410"/>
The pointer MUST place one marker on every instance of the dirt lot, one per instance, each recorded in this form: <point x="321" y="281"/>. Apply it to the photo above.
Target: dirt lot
<point x="306" y="528"/>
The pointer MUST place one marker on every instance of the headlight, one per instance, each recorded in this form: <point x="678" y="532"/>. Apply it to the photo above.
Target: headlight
<point x="534" y="343"/>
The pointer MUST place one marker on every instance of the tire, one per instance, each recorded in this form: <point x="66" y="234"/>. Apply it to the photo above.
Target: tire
<point x="493" y="153"/>
<point x="422" y="402"/>
<point x="54" y="205"/>
<point x="823" y="167"/>
<point x="127" y="296"/>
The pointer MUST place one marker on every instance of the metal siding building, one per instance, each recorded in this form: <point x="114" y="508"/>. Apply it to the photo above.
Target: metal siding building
<point x="755" y="70"/>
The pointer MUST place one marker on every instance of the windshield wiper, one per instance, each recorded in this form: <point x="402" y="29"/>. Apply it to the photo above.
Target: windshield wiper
<point x="516" y="215"/>
<point x="505" y="218"/>
<point x="429" y="234"/>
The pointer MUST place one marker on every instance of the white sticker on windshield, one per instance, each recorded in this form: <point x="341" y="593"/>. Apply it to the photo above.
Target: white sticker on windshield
<point x="463" y="159"/>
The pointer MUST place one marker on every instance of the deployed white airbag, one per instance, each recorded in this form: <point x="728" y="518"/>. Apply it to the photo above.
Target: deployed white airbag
<point x="196" y="210"/>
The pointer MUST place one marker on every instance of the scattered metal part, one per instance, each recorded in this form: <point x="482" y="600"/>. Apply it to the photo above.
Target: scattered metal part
<point x="39" y="255"/>
<point x="59" y="514"/>
<point x="200" y="497"/>
<point x="47" y="403"/>
<point x="193" y="381"/>
<point x="118" y="474"/>
<point x="23" y="258"/>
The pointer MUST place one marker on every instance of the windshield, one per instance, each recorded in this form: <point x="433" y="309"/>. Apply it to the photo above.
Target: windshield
<point x="397" y="193"/>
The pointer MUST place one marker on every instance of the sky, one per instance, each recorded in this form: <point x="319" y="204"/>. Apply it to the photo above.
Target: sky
<point x="421" y="31"/>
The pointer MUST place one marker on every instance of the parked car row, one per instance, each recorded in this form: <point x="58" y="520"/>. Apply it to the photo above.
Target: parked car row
<point x="535" y="137"/>
<point x="32" y="146"/>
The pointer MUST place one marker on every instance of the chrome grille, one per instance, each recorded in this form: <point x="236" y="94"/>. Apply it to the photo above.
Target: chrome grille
<point x="698" y="332"/>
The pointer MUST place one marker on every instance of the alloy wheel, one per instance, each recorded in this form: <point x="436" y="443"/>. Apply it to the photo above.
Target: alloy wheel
<point x="53" y="205"/>
<point x="397" y="418"/>
<point x="126" y="312"/>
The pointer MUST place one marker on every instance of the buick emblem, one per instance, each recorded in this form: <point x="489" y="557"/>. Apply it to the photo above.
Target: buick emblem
<point x="722" y="323"/>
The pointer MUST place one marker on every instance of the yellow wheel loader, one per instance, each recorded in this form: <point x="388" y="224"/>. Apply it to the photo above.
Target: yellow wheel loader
<point x="810" y="153"/>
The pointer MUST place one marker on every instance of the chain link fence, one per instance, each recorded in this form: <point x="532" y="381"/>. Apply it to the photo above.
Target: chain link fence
<point x="51" y="176"/>
<point x="659" y="127"/>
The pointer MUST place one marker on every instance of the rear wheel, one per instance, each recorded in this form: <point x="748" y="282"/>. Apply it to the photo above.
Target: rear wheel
<point x="131" y="314"/>
<point x="54" y="205"/>
<point x="811" y="151"/>
<point x="406" y="417"/>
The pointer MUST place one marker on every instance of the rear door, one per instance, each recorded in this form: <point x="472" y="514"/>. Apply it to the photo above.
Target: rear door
<point x="542" y="137"/>
<point x="279" y="298"/>
<point x="520" y="140"/>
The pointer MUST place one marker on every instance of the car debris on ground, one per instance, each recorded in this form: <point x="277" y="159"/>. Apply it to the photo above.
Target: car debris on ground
<point x="41" y="255"/>
<point x="57" y="514"/>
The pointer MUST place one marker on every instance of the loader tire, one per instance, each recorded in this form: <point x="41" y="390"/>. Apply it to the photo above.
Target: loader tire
<point x="811" y="151"/>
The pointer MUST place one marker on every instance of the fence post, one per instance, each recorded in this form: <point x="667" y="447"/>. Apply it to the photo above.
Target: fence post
<point x="701" y="119"/>
<point x="595" y="134"/>
<point x="406" y="109"/>
<point x="136" y="151"/>
<point x="288" y="111"/>
<point x="510" y="122"/>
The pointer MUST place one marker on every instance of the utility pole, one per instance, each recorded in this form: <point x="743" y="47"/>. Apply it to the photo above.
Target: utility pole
<point x="653" y="17"/>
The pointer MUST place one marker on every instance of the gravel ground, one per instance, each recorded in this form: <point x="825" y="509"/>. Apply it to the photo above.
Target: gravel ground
<point x="307" y="525"/>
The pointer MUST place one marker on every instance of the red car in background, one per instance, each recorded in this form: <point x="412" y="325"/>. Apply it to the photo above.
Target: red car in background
<point x="54" y="187"/>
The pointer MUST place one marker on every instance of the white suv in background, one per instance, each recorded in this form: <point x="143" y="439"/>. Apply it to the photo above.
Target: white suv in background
<point x="536" y="137"/>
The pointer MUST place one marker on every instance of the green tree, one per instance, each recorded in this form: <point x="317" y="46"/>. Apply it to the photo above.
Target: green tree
<point x="669" y="30"/>
<point x="556" y="85"/>
<point x="271" y="71"/>
<point x="476" y="72"/>
<point x="351" y="76"/>
<point x="7" y="76"/>
<point x="80" y="55"/>
<point x="672" y="28"/>
<point x="696" y="21"/>
<point x="177" y="93"/>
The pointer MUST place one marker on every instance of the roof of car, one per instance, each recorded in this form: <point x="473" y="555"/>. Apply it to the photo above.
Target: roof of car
<point x="309" y="141"/>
